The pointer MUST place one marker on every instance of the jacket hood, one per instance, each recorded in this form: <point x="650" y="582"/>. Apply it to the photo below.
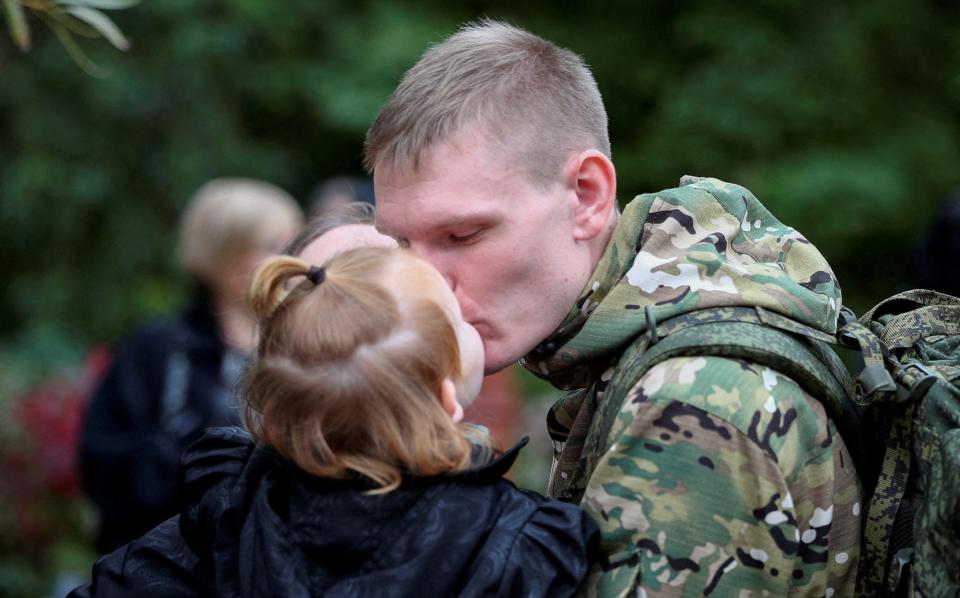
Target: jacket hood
<point x="704" y="244"/>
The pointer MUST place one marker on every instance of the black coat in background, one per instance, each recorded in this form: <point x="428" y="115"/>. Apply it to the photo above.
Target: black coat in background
<point x="253" y="524"/>
<point x="165" y="386"/>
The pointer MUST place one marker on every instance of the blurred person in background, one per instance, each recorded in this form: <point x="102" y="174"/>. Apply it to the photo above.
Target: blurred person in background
<point x="936" y="260"/>
<point x="337" y="192"/>
<point x="174" y="377"/>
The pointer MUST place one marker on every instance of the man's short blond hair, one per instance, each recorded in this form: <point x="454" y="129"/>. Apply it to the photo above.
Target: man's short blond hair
<point x="538" y="101"/>
<point x="229" y="217"/>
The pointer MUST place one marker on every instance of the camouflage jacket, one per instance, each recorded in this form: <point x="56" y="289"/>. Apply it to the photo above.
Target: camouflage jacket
<point x="718" y="477"/>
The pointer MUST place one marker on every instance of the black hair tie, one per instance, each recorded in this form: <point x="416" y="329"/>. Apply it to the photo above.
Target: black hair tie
<point x="316" y="275"/>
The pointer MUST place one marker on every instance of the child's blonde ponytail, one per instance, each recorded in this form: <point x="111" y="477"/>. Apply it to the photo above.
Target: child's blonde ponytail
<point x="269" y="285"/>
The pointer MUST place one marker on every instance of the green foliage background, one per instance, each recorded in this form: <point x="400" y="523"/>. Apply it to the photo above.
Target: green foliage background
<point x="841" y="117"/>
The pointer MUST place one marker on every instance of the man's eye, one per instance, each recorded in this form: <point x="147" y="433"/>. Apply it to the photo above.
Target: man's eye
<point x="464" y="237"/>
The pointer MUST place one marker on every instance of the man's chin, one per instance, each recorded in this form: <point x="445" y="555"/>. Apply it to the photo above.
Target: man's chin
<point x="495" y="363"/>
<point x="488" y="371"/>
<point x="496" y="358"/>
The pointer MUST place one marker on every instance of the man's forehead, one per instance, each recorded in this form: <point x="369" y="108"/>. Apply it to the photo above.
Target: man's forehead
<point x="431" y="203"/>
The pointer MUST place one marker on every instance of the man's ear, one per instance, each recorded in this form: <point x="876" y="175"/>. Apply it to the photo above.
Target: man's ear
<point x="448" y="400"/>
<point x="593" y="178"/>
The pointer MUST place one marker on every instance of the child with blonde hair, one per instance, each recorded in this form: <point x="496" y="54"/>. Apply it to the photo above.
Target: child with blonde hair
<point x="357" y="477"/>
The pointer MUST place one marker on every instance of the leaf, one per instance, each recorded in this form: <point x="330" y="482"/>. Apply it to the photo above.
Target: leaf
<point x="18" y="24"/>
<point x="72" y="24"/>
<point x="89" y="67"/>
<point x="101" y="23"/>
<point x="101" y="4"/>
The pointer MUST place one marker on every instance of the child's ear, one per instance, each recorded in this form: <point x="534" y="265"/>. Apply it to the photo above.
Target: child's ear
<point x="448" y="399"/>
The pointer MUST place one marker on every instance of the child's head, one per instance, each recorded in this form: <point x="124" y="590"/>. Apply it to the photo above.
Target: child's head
<point x="365" y="367"/>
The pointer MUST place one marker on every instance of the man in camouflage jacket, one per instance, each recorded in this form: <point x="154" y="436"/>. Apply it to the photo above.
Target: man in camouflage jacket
<point x="718" y="473"/>
<point x="709" y="475"/>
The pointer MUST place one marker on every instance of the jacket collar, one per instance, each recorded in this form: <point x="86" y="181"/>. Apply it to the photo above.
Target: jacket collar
<point x="704" y="244"/>
<point x="493" y="467"/>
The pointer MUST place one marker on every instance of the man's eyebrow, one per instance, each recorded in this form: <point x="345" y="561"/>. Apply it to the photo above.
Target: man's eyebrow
<point x="478" y="217"/>
<point x="461" y="219"/>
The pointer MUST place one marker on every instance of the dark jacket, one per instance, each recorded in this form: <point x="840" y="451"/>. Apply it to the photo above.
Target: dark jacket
<point x="253" y="524"/>
<point x="165" y="387"/>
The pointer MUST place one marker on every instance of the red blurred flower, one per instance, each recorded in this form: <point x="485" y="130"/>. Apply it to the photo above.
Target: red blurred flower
<point x="38" y="455"/>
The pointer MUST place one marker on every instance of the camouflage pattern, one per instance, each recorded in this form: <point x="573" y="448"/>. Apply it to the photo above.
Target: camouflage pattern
<point x="713" y="475"/>
<point x="912" y="527"/>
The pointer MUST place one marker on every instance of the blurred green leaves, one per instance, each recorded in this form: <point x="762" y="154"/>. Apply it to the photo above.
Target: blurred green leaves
<point x="17" y="22"/>
<point x="844" y="118"/>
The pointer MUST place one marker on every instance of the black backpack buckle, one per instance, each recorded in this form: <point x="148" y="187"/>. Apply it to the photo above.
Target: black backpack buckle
<point x="918" y="389"/>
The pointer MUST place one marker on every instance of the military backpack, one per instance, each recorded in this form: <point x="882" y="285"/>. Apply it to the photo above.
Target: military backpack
<point x="897" y="409"/>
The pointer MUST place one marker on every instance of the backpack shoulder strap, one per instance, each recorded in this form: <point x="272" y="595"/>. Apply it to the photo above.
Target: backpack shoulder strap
<point x="908" y="301"/>
<point x="742" y="333"/>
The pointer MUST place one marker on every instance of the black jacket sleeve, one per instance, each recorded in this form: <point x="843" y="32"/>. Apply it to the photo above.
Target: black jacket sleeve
<point x="160" y="564"/>
<point x="552" y="553"/>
